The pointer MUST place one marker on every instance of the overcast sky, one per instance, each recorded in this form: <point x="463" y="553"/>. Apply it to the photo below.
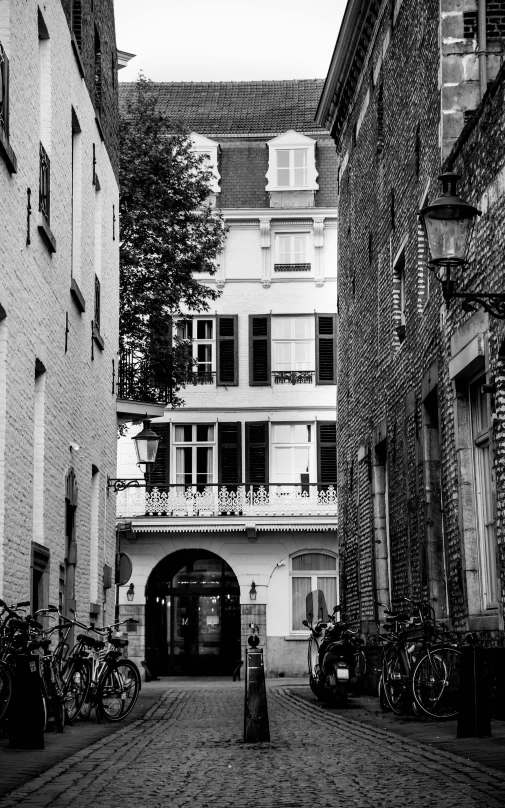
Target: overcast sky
<point x="227" y="40"/>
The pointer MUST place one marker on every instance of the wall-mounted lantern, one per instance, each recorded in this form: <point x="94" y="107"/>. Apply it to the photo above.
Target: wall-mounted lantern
<point x="146" y="447"/>
<point x="252" y="591"/>
<point x="130" y="593"/>
<point x="449" y="223"/>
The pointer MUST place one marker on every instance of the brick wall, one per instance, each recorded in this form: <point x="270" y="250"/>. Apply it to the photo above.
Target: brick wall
<point x="385" y="413"/>
<point x="42" y="321"/>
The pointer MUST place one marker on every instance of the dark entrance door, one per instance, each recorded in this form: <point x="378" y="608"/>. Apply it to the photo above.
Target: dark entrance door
<point x="193" y="616"/>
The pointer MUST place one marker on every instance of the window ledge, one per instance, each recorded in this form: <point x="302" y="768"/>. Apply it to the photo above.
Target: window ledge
<point x="46" y="233"/>
<point x="98" y="338"/>
<point x="298" y="637"/>
<point x="77" y="54"/>
<point x="77" y="295"/>
<point x="484" y="622"/>
<point x="8" y="153"/>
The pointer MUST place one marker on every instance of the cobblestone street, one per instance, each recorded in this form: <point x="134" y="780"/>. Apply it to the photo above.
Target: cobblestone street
<point x="188" y="751"/>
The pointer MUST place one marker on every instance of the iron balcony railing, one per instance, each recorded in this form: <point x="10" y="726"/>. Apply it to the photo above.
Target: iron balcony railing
<point x="275" y="499"/>
<point x="44" y="183"/>
<point x="293" y="376"/>
<point x="202" y="377"/>
<point x="144" y="378"/>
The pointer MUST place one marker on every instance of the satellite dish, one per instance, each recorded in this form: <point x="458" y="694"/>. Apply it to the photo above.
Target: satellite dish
<point x="124" y="569"/>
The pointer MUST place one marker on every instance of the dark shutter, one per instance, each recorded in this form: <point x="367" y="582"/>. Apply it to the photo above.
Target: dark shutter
<point x="5" y="96"/>
<point x="227" y="350"/>
<point x="229" y="453"/>
<point x="259" y="350"/>
<point x="327" y="453"/>
<point x="326" y="348"/>
<point x="256" y="447"/>
<point x="160" y="472"/>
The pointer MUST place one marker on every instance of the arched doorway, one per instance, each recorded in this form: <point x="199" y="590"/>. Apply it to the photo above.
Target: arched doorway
<point x="192" y="616"/>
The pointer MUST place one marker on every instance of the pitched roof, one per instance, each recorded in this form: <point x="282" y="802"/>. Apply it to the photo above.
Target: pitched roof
<point x="238" y="107"/>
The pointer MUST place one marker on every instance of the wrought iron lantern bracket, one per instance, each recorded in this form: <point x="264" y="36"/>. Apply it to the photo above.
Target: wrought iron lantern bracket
<point x="492" y="302"/>
<point x="120" y="484"/>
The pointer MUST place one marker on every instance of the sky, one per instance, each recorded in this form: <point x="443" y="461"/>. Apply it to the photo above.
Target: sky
<point x="227" y="40"/>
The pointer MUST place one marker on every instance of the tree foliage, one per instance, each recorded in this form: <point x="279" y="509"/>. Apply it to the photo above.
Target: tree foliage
<point x="168" y="233"/>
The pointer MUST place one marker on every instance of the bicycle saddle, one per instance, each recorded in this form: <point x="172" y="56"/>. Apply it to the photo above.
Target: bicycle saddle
<point x="90" y="642"/>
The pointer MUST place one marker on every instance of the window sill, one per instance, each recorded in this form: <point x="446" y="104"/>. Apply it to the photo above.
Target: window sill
<point x="298" y="637"/>
<point x="7" y="153"/>
<point x="98" y="338"/>
<point x="77" y="296"/>
<point x="484" y="622"/>
<point x="77" y="54"/>
<point x="46" y="233"/>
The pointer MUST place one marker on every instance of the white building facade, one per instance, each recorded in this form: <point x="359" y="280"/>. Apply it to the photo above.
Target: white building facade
<point x="239" y="522"/>
<point x="59" y="299"/>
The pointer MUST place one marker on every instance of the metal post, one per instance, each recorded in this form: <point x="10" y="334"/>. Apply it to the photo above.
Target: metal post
<point x="473" y="716"/>
<point x="256" y="727"/>
<point x="26" y="711"/>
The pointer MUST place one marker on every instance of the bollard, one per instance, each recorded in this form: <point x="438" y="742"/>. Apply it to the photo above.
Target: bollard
<point x="256" y="728"/>
<point x="26" y="711"/>
<point x="473" y="715"/>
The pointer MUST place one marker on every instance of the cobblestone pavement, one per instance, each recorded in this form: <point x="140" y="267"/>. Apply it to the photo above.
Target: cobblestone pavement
<point x="187" y="751"/>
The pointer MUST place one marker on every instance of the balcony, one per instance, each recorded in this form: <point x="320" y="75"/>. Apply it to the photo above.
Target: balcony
<point x="293" y="376"/>
<point x="143" y="385"/>
<point x="202" y="377"/>
<point x="203" y="501"/>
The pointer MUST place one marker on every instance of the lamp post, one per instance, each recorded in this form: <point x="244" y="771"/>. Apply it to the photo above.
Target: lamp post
<point x="448" y="223"/>
<point x="146" y="447"/>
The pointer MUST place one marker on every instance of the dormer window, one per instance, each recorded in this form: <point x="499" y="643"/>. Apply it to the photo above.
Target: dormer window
<point x="292" y="175"/>
<point x="291" y="167"/>
<point x="209" y="150"/>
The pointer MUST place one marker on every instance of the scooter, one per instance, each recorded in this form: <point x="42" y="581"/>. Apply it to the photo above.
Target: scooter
<point x="332" y="653"/>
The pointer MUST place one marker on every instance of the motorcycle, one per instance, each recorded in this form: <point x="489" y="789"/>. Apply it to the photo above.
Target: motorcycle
<point x="335" y="661"/>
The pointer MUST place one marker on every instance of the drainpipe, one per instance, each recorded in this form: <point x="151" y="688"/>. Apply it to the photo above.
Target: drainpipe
<point x="482" y="45"/>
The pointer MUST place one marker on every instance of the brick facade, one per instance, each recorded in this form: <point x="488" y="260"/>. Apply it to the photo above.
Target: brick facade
<point x="57" y="402"/>
<point x="408" y="521"/>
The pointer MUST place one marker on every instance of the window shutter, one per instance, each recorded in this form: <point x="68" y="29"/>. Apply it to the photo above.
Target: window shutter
<point x="256" y="447"/>
<point x="326" y="348"/>
<point x="327" y="453"/>
<point x="229" y="453"/>
<point x="259" y="350"/>
<point x="5" y="98"/>
<point x="227" y="350"/>
<point x="160" y="472"/>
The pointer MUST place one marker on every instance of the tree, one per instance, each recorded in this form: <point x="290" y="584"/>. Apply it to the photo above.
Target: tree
<point x="168" y="235"/>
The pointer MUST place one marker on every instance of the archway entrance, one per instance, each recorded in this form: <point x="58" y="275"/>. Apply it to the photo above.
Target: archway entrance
<point x="192" y="616"/>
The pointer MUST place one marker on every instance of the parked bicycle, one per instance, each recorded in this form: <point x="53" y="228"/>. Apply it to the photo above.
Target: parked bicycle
<point x="420" y="665"/>
<point x="97" y="676"/>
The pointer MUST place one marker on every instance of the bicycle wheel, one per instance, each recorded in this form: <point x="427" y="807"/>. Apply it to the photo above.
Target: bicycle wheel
<point x="6" y="684"/>
<point x="396" y="688"/>
<point x="118" y="691"/>
<point x="76" y="676"/>
<point x="435" y="683"/>
<point x="383" y="702"/>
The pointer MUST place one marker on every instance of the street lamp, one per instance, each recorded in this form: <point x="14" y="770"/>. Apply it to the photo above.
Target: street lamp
<point x="448" y="223"/>
<point x="130" y="593"/>
<point x="146" y="447"/>
<point x="252" y="591"/>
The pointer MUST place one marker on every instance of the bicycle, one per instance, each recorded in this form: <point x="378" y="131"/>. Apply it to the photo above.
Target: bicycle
<point x="427" y="683"/>
<point x="114" y="682"/>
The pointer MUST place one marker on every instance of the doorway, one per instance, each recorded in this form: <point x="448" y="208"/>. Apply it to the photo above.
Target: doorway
<point x="192" y="616"/>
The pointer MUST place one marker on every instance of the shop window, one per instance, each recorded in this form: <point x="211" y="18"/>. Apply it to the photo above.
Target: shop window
<point x="310" y="571"/>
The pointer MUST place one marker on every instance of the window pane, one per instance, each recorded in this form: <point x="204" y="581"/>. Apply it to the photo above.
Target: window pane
<point x="182" y="434"/>
<point x="204" y="433"/>
<point x="284" y="249"/>
<point x="300" y="250"/>
<point x="281" y="433"/>
<point x="282" y="360"/>
<point x="204" y="353"/>
<point x="304" y="327"/>
<point x="204" y="329"/>
<point x="283" y="176"/>
<point x="300" y="176"/>
<point x="301" y="588"/>
<point x="301" y="462"/>
<point x="283" y="158"/>
<point x="183" y="466"/>
<point x="300" y="433"/>
<point x="314" y="561"/>
<point x="203" y="465"/>
<point x="329" y="587"/>
<point x="300" y="158"/>
<point x="303" y="352"/>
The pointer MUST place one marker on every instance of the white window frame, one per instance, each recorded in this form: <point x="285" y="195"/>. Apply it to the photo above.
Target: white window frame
<point x="292" y="141"/>
<point x="210" y="149"/>
<point x="196" y="342"/>
<point x="313" y="575"/>
<point x="293" y="340"/>
<point x="311" y="428"/>
<point x="194" y="444"/>
<point x="483" y="498"/>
